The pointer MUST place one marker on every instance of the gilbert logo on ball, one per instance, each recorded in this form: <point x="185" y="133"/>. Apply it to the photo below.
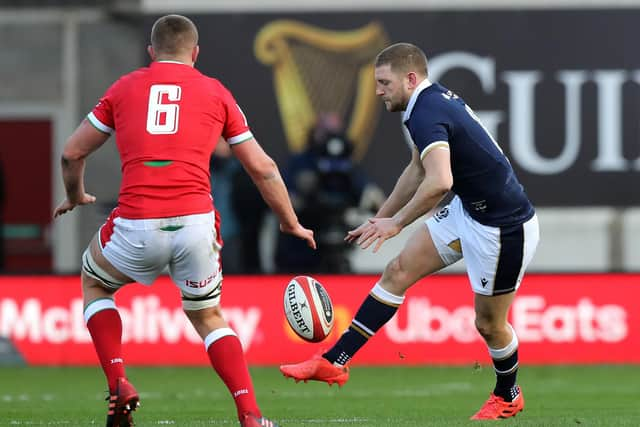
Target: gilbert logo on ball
<point x="308" y="308"/>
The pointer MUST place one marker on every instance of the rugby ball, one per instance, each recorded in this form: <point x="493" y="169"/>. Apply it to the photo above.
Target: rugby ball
<point x="308" y="308"/>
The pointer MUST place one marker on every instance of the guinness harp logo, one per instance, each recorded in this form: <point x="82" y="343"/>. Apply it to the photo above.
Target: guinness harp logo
<point x="317" y="70"/>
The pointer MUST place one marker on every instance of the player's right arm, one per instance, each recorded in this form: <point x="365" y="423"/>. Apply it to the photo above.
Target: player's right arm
<point x="85" y="140"/>
<point x="406" y="186"/>
<point x="266" y="176"/>
<point x="94" y="131"/>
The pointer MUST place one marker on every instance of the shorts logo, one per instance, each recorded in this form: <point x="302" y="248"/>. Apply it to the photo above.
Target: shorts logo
<point x="442" y="214"/>
<point x="200" y="283"/>
<point x="484" y="282"/>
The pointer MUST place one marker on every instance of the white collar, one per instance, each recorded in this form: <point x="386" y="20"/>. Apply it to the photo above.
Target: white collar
<point x="414" y="96"/>
<point x="164" y="61"/>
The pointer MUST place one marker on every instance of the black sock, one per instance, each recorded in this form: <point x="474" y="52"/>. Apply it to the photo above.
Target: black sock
<point x="506" y="371"/>
<point x="376" y="310"/>
<point x="505" y="364"/>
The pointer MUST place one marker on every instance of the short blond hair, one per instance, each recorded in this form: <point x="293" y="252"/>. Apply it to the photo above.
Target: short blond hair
<point x="173" y="34"/>
<point x="403" y="57"/>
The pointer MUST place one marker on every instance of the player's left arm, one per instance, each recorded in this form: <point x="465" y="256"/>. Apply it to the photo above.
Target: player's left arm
<point x="266" y="176"/>
<point x="437" y="182"/>
<point x="84" y="141"/>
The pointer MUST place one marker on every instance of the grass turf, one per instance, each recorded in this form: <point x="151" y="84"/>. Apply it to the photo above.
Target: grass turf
<point x="380" y="397"/>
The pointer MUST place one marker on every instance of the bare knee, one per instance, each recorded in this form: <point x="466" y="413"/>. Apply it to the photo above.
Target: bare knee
<point x="206" y="320"/>
<point x="395" y="278"/>
<point x="491" y="328"/>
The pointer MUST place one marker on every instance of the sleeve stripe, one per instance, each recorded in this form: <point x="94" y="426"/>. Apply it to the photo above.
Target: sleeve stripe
<point x="433" y="146"/>
<point x="240" y="138"/>
<point x="98" y="124"/>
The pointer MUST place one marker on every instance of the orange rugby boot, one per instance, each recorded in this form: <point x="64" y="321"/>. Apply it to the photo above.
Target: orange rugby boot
<point x="122" y="404"/>
<point x="317" y="369"/>
<point x="496" y="408"/>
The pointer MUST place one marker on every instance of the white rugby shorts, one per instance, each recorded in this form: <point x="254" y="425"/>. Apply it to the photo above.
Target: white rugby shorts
<point x="496" y="257"/>
<point x="189" y="246"/>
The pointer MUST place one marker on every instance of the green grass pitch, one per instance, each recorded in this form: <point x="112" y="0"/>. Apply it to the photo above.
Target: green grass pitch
<point x="376" y="397"/>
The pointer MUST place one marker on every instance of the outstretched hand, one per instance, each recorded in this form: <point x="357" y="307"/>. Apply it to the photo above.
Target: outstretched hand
<point x="301" y="232"/>
<point x="67" y="206"/>
<point x="352" y="235"/>
<point x="375" y="229"/>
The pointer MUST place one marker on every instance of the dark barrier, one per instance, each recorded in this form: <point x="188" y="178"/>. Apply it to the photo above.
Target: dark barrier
<point x="559" y="89"/>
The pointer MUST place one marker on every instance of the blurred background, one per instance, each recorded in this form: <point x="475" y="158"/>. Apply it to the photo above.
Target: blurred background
<point x="556" y="82"/>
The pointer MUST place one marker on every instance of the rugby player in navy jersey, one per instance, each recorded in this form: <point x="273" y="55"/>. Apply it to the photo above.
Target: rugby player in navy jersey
<point x="489" y="219"/>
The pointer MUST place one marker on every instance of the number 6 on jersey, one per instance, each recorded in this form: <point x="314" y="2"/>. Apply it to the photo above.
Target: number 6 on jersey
<point x="162" y="119"/>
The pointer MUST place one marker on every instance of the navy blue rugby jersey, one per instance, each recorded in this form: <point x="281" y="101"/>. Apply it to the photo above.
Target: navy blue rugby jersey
<point x="482" y="176"/>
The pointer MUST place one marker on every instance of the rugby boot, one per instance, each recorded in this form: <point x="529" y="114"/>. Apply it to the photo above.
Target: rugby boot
<point x="317" y="369"/>
<point x="250" y="420"/>
<point x="122" y="404"/>
<point x="496" y="407"/>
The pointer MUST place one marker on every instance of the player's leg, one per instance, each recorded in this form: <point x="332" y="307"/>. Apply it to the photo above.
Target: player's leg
<point x="225" y="354"/>
<point x="506" y="400"/>
<point x="195" y="268"/>
<point x="418" y="259"/>
<point x="421" y="256"/>
<point x="496" y="267"/>
<point x="100" y="280"/>
<point x="502" y="342"/>
<point x="227" y="357"/>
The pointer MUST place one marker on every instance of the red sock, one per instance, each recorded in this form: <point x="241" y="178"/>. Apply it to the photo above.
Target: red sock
<point x="227" y="358"/>
<point x="105" y="328"/>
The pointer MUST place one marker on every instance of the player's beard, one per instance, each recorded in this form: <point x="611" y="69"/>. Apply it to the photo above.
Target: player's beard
<point x="395" y="106"/>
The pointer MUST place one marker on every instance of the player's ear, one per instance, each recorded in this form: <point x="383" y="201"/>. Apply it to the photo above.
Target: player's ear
<point x="151" y="53"/>
<point x="412" y="79"/>
<point x="194" y="53"/>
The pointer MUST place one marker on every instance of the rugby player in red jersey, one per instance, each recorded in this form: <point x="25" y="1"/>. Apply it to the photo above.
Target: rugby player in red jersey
<point x="168" y="118"/>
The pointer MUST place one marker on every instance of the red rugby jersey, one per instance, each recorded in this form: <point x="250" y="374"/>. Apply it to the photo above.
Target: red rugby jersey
<point x="167" y="119"/>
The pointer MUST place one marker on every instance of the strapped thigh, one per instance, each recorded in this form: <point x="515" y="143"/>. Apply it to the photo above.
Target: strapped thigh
<point x="92" y="269"/>
<point x="199" y="302"/>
